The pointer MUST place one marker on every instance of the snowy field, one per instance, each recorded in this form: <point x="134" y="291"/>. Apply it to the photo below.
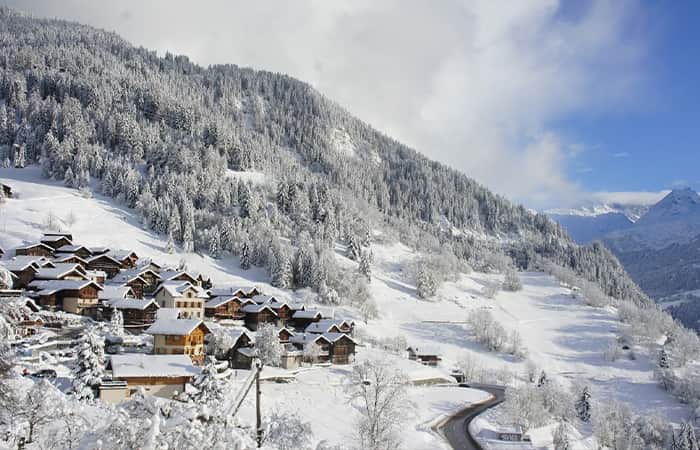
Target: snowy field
<point x="562" y="335"/>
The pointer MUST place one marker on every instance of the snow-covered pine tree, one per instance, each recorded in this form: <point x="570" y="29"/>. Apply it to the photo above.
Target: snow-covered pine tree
<point x="5" y="276"/>
<point x="69" y="178"/>
<point x="583" y="406"/>
<point x="426" y="285"/>
<point x="89" y="368"/>
<point x="686" y="438"/>
<point x="116" y="323"/>
<point x="268" y="345"/>
<point x="245" y="256"/>
<point x="663" y="359"/>
<point x="214" y="242"/>
<point x="208" y="386"/>
<point x="365" y="266"/>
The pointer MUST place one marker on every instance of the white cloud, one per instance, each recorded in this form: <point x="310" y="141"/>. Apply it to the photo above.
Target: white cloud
<point x="477" y="84"/>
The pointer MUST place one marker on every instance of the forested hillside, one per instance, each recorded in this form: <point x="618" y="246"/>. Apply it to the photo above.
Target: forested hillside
<point x="171" y="139"/>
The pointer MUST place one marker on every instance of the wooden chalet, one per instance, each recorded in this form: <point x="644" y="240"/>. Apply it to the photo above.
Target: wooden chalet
<point x="427" y="358"/>
<point x="241" y="353"/>
<point x="23" y="272"/>
<point x="135" y="282"/>
<point x="105" y="263"/>
<point x="55" y="241"/>
<point x="115" y="291"/>
<point x="73" y="296"/>
<point x="303" y="340"/>
<point x="342" y="348"/>
<point x="226" y="307"/>
<point x="136" y="312"/>
<point x="149" y="264"/>
<point x="78" y="250"/>
<point x="305" y="317"/>
<point x="35" y="250"/>
<point x="149" y="279"/>
<point x="257" y="314"/>
<point x="284" y="334"/>
<point x="179" y="337"/>
<point x="127" y="258"/>
<point x="163" y="376"/>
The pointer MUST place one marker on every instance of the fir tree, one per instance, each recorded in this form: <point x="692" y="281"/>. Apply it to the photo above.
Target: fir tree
<point x="663" y="359"/>
<point x="208" y="387"/>
<point x="89" y="367"/>
<point x="560" y="439"/>
<point x="365" y="266"/>
<point x="245" y="256"/>
<point x="426" y="285"/>
<point x="214" y="242"/>
<point x="116" y="323"/>
<point x="69" y="178"/>
<point x="686" y="439"/>
<point x="583" y="406"/>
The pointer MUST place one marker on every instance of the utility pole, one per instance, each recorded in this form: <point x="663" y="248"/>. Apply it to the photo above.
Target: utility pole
<point x="258" y="420"/>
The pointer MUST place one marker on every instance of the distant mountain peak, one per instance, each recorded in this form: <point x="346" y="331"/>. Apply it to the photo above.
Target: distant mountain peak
<point x="679" y="203"/>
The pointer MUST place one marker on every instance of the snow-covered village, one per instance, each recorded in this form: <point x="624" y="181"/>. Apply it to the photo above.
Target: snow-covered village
<point x="209" y="256"/>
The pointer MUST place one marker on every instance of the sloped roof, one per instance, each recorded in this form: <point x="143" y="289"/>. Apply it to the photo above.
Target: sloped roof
<point x="253" y="309"/>
<point x="131" y="303"/>
<point x="307" y="338"/>
<point x="38" y="244"/>
<point x="66" y="256"/>
<point x="127" y="276"/>
<point x="178" y="288"/>
<point x="104" y="255"/>
<point x="72" y="249"/>
<point x="48" y="287"/>
<point x="61" y="269"/>
<point x="227" y="291"/>
<point x="169" y="274"/>
<point x="307" y="314"/>
<point x="179" y="327"/>
<point x="323" y="326"/>
<point x="121" y="254"/>
<point x="333" y="337"/>
<point x="21" y="262"/>
<point x="139" y="365"/>
<point x="218" y="301"/>
<point x="260" y="299"/>
<point x="115" y="291"/>
<point x="53" y="237"/>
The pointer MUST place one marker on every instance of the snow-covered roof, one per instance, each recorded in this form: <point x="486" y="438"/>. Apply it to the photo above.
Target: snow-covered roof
<point x="260" y="299"/>
<point x="127" y="276"/>
<point x="307" y="338"/>
<point x="139" y="365"/>
<point x="48" y="287"/>
<point x="333" y="337"/>
<point x="72" y="249"/>
<point x="145" y="262"/>
<point x="121" y="254"/>
<point x="53" y="237"/>
<point x="131" y="303"/>
<point x="178" y="288"/>
<point x="114" y="291"/>
<point x="179" y="327"/>
<point x="218" y="301"/>
<point x="307" y="314"/>
<point x="324" y="325"/>
<point x="104" y="255"/>
<point x="69" y="256"/>
<point x="253" y="309"/>
<point x="248" y="351"/>
<point x="39" y="244"/>
<point x="21" y="262"/>
<point x="227" y="291"/>
<point x="61" y="269"/>
<point x="169" y="274"/>
<point x="168" y="313"/>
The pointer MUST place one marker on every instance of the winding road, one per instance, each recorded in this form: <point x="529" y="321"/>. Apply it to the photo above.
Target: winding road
<point x="456" y="430"/>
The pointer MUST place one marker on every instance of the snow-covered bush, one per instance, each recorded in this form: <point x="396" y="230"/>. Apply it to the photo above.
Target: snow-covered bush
<point x="524" y="406"/>
<point x="613" y="351"/>
<point x="511" y="281"/>
<point x="491" y="289"/>
<point x="492" y="335"/>
<point x="287" y="431"/>
<point x="5" y="277"/>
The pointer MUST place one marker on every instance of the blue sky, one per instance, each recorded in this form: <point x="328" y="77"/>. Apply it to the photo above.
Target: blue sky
<point x="654" y="144"/>
<point x="549" y="102"/>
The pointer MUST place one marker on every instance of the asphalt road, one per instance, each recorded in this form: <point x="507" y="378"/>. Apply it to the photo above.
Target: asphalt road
<point x="456" y="430"/>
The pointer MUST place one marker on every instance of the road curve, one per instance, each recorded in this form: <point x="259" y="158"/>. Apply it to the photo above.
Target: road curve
<point x="456" y="430"/>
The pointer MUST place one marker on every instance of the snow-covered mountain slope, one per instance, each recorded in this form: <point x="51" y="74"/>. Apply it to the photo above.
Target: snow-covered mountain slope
<point x="587" y="228"/>
<point x="563" y="336"/>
